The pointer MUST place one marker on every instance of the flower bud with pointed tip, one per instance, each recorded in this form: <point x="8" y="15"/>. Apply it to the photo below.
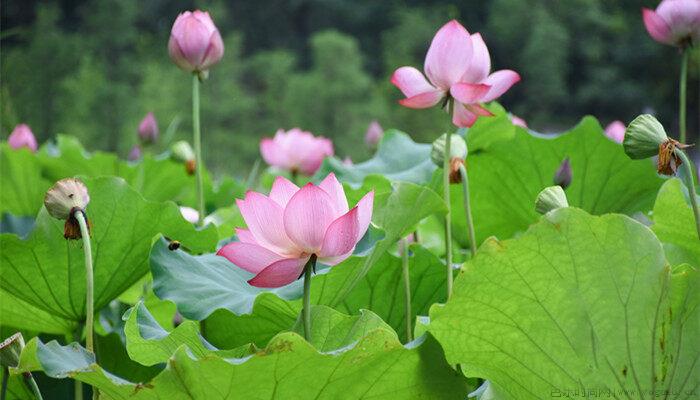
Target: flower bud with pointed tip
<point x="374" y="134"/>
<point x="10" y="349"/>
<point x="643" y="137"/>
<point x="564" y="174"/>
<point x="550" y="198"/>
<point x="195" y="42"/>
<point x="22" y="136"/>
<point x="458" y="149"/>
<point x="134" y="153"/>
<point x="148" y="129"/>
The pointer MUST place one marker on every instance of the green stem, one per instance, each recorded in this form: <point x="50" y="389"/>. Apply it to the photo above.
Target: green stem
<point x="78" y="390"/>
<point x="407" y="289"/>
<point x="77" y="385"/>
<point x="448" y="217"/>
<point x="31" y="383"/>
<point x="306" y="312"/>
<point x="5" y="379"/>
<point x="682" y="91"/>
<point x="691" y="187"/>
<point x="197" y="147"/>
<point x="468" y="208"/>
<point x="89" y="291"/>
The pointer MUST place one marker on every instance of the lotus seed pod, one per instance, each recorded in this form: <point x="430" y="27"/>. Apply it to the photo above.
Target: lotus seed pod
<point x="551" y="198"/>
<point x="458" y="149"/>
<point x="65" y="196"/>
<point x="643" y="137"/>
<point x="10" y="350"/>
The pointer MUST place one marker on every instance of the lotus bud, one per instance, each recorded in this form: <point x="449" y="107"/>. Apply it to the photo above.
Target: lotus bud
<point x="63" y="200"/>
<point x="182" y="151"/>
<point x="374" y="134"/>
<point x="564" y="174"/>
<point x="148" y="129"/>
<point x="22" y="136"/>
<point x="134" y="153"/>
<point x="10" y="349"/>
<point x="195" y="42"/>
<point x="550" y="199"/>
<point x="646" y="137"/>
<point x="458" y="152"/>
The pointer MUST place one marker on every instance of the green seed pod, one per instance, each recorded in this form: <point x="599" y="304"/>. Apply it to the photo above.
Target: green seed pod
<point x="10" y="350"/>
<point x="550" y="198"/>
<point x="643" y="137"/>
<point x="65" y="196"/>
<point x="458" y="149"/>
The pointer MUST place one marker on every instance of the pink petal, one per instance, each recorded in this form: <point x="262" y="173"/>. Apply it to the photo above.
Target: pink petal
<point x="314" y="153"/>
<point x="342" y="235"/>
<point x="480" y="63"/>
<point x="307" y="216"/>
<point x="410" y="81"/>
<point x="264" y="218"/>
<point x="282" y="191"/>
<point x="469" y="93"/>
<point x="335" y="190"/>
<point x="656" y="26"/>
<point x="616" y="131"/>
<point x="463" y="117"/>
<point x="423" y="100"/>
<point x="448" y="55"/>
<point x="270" y="152"/>
<point x="500" y="82"/>
<point x="364" y="213"/>
<point x="214" y="52"/>
<point x="250" y="257"/>
<point x="280" y="273"/>
<point x="479" y="110"/>
<point x="244" y="236"/>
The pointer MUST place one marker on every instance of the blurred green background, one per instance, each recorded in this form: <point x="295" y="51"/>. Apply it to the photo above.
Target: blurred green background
<point x="94" y="68"/>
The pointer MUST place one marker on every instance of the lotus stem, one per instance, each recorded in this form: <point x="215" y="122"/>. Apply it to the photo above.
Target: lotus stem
<point x="468" y="209"/>
<point x="306" y="312"/>
<point x="683" y="91"/>
<point x="407" y="289"/>
<point x="89" y="291"/>
<point x="31" y="384"/>
<point x="5" y="379"/>
<point x="197" y="148"/>
<point x="448" y="217"/>
<point x="691" y="186"/>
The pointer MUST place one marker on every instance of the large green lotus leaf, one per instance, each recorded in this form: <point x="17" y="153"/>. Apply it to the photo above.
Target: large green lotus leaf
<point x="48" y="272"/>
<point x="377" y="366"/>
<point x="577" y="302"/>
<point x="505" y="180"/>
<point x="382" y="290"/>
<point x="69" y="158"/>
<point x="398" y="158"/>
<point x="23" y="187"/>
<point x="20" y="314"/>
<point x="149" y="344"/>
<point x="199" y="285"/>
<point x="270" y="315"/>
<point x="674" y="224"/>
<point x="488" y="131"/>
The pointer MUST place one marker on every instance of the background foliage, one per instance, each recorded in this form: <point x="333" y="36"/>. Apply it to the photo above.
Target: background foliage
<point x="93" y="68"/>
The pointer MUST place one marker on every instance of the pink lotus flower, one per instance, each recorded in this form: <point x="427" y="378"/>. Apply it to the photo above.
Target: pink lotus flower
<point x="518" y="121"/>
<point x="374" y="134"/>
<point x="457" y="66"/>
<point x="296" y="151"/>
<point x="22" y="136"/>
<point x="675" y="22"/>
<point x="148" y="129"/>
<point x="616" y="131"/>
<point x="134" y="153"/>
<point x="290" y="225"/>
<point x="195" y="43"/>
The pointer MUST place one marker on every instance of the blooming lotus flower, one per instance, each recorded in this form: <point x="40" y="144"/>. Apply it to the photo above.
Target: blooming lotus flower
<point x="195" y="43"/>
<point x="616" y="131"/>
<point x="148" y="129"/>
<point x="296" y="151"/>
<point x="457" y="66"/>
<point x="675" y="22"/>
<point x="22" y="136"/>
<point x="290" y="225"/>
<point x="518" y="121"/>
<point x="189" y="214"/>
<point x="134" y="153"/>
<point x="374" y="134"/>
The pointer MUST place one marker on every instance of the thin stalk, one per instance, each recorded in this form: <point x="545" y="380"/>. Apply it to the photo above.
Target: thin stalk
<point x="691" y="187"/>
<point x="5" y="379"/>
<point x="407" y="289"/>
<point x="306" y="313"/>
<point x="448" y="217"/>
<point x="197" y="148"/>
<point x="683" y="90"/>
<point x="468" y="209"/>
<point x="31" y="383"/>
<point x="89" y="292"/>
<point x="77" y="385"/>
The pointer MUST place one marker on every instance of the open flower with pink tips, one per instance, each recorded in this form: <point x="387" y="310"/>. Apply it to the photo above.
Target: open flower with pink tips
<point x="296" y="151"/>
<point x="288" y="227"/>
<point x="674" y="22"/>
<point x="458" y="68"/>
